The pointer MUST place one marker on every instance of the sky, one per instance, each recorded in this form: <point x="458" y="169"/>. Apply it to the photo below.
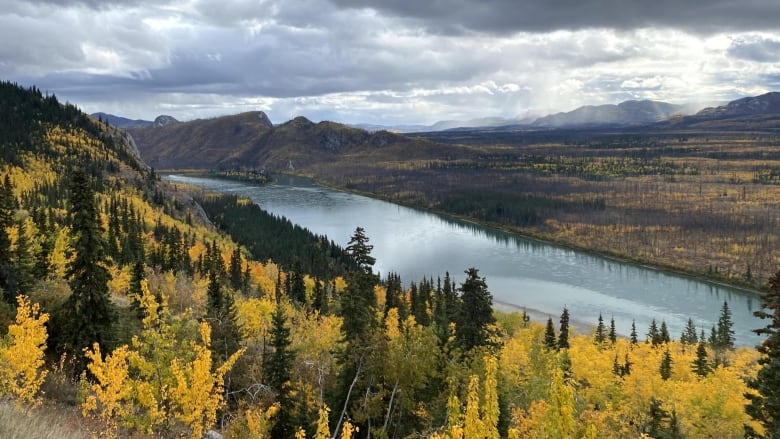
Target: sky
<point x="387" y="62"/>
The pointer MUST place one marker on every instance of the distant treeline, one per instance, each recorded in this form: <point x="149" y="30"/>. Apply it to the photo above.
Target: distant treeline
<point x="267" y="236"/>
<point x="508" y="208"/>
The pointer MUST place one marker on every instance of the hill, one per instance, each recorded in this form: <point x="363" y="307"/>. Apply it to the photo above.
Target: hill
<point x="625" y="113"/>
<point x="121" y="122"/>
<point x="250" y="140"/>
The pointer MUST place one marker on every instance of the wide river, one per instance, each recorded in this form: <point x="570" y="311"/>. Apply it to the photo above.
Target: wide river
<point x="521" y="273"/>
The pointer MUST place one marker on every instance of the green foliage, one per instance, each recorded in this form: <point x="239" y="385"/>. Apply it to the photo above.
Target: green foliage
<point x="278" y="370"/>
<point x="267" y="236"/>
<point x="700" y="365"/>
<point x="88" y="315"/>
<point x="476" y="312"/>
<point x="665" y="369"/>
<point x="764" y="404"/>
<point x="563" y="332"/>
<point x="550" y="340"/>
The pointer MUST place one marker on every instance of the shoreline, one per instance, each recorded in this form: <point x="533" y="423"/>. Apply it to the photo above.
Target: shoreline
<point x="542" y="239"/>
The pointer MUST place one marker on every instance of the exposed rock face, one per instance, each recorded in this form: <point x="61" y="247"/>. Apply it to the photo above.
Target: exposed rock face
<point x="164" y="121"/>
<point x="765" y="104"/>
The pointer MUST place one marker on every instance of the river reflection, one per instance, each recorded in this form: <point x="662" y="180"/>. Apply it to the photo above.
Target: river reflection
<point x="520" y="272"/>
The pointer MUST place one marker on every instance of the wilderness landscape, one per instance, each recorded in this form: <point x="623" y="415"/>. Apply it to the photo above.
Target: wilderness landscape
<point x="644" y="135"/>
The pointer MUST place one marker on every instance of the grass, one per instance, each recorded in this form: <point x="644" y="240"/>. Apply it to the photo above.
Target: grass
<point x="45" y="422"/>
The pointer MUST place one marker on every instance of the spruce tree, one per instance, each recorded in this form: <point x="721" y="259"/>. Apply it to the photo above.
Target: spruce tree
<point x="764" y="407"/>
<point x="725" y="329"/>
<point x="563" y="335"/>
<point x="663" y="333"/>
<point x="612" y="331"/>
<point x="88" y="316"/>
<point x="24" y="260"/>
<point x="700" y="365"/>
<point x="358" y="300"/>
<point x="7" y="207"/>
<point x="476" y="313"/>
<point x="550" y="340"/>
<point x="600" y="336"/>
<point x="634" y="337"/>
<point x="234" y="269"/>
<point x="665" y="368"/>
<point x="278" y="372"/>
<point x="688" y="336"/>
<point x="653" y="335"/>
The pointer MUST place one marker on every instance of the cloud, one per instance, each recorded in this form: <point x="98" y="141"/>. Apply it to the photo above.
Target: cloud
<point x="755" y="48"/>
<point x="406" y="62"/>
<point x="510" y="16"/>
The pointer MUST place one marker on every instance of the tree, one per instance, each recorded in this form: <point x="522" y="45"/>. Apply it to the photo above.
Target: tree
<point x="634" y="337"/>
<point x="88" y="315"/>
<point x="612" y="331"/>
<point x="234" y="269"/>
<point x="24" y="260"/>
<point x="550" y="340"/>
<point x="278" y="370"/>
<point x="663" y="333"/>
<point x="764" y="404"/>
<point x="700" y="365"/>
<point x="22" y="360"/>
<point x="665" y="368"/>
<point x="725" y="330"/>
<point x="7" y="206"/>
<point x="688" y="336"/>
<point x="358" y="301"/>
<point x="653" y="334"/>
<point x="563" y="335"/>
<point x="600" y="336"/>
<point x="476" y="314"/>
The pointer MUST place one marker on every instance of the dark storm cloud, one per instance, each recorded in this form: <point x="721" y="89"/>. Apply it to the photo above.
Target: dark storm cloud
<point x="759" y="49"/>
<point x="502" y="16"/>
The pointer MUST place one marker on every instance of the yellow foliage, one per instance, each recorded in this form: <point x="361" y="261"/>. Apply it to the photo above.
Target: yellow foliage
<point x="323" y="430"/>
<point x="112" y="386"/>
<point x="21" y="367"/>
<point x="259" y="422"/>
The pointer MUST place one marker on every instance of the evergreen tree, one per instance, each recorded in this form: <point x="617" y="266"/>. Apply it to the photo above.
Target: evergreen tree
<point x="653" y="337"/>
<point x="234" y="270"/>
<point x="658" y="418"/>
<point x="700" y="365"/>
<point x="688" y="336"/>
<point x="88" y="315"/>
<point x="725" y="329"/>
<point x="476" y="313"/>
<point x="7" y="207"/>
<point x="634" y="337"/>
<point x="663" y="333"/>
<point x="358" y="300"/>
<point x="600" y="336"/>
<point x="666" y="365"/>
<point x="550" y="340"/>
<point x="612" y="331"/>
<point x="137" y="276"/>
<point x="563" y="335"/>
<point x="765" y="406"/>
<point x="24" y="261"/>
<point x="278" y="372"/>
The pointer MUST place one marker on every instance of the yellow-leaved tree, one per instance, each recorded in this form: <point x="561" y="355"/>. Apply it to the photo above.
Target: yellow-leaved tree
<point x="164" y="381"/>
<point x="21" y="355"/>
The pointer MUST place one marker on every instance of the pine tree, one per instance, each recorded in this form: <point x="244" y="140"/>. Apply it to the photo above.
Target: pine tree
<point x="764" y="407"/>
<point x="663" y="333"/>
<point x="563" y="335"/>
<point x="700" y="365"/>
<point x="88" y="315"/>
<point x="725" y="329"/>
<point x="234" y="269"/>
<point x="600" y="336"/>
<point x="612" y="331"/>
<point x="550" y="341"/>
<point x="666" y="365"/>
<point x="358" y="300"/>
<point x="634" y="337"/>
<point x="7" y="207"/>
<point x="476" y="313"/>
<point x="688" y="336"/>
<point x="24" y="261"/>
<point x="278" y="372"/>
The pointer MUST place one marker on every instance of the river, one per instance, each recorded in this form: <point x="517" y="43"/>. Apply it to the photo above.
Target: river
<point x="521" y="273"/>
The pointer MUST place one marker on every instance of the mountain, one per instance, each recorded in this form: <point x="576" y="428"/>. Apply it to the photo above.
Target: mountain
<point x="251" y="140"/>
<point x="749" y="113"/>
<point x="625" y="113"/>
<point x="164" y="121"/>
<point x="121" y="122"/>
<point x="443" y="125"/>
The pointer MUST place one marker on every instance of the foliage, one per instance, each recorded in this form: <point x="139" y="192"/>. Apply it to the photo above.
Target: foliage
<point x="476" y="315"/>
<point x="22" y="360"/>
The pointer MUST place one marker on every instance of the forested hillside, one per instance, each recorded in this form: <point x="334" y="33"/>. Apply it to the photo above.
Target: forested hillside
<point x="131" y="315"/>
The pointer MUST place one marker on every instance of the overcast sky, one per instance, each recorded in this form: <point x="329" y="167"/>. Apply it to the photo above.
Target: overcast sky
<point x="387" y="61"/>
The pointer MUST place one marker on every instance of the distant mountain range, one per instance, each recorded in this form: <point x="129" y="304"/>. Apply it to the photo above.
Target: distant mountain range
<point x="251" y="140"/>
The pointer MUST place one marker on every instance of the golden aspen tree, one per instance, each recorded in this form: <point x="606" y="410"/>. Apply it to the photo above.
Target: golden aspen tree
<point x="198" y="393"/>
<point x="490" y="408"/>
<point x="347" y="429"/>
<point x="472" y="423"/>
<point x="561" y="416"/>
<point x="323" y="429"/>
<point x="259" y="421"/>
<point x="21" y="370"/>
<point x="112" y="387"/>
<point x="454" y="417"/>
